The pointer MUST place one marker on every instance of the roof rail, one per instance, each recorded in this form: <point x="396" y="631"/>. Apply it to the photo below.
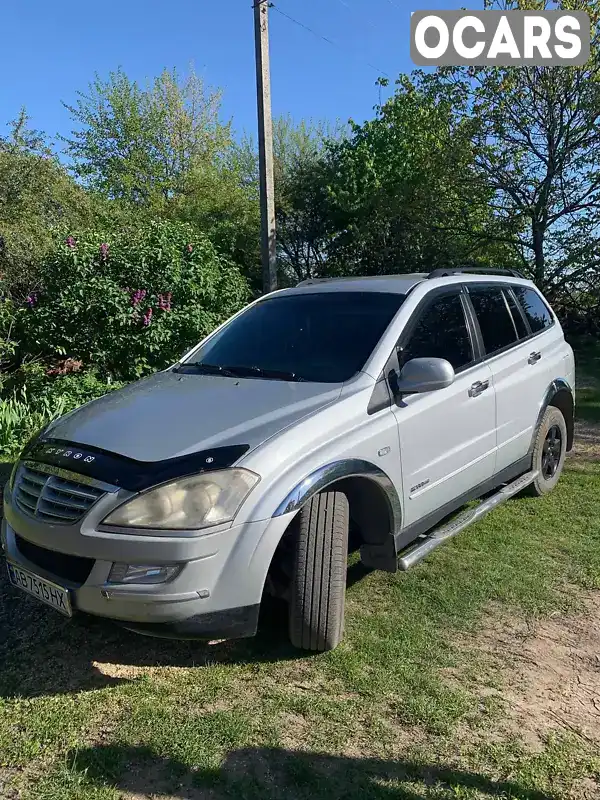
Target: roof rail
<point x="310" y="281"/>
<point x="445" y="273"/>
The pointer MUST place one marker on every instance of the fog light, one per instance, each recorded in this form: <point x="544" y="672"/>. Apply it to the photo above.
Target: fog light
<point x="143" y="573"/>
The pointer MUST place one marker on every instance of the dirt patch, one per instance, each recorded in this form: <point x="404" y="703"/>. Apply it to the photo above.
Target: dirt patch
<point x="8" y="783"/>
<point x="587" y="442"/>
<point x="549" y="674"/>
<point x="586" y="789"/>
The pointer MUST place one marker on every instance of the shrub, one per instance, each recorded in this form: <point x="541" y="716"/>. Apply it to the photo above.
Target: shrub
<point x="8" y="322"/>
<point x="74" y="389"/>
<point x="19" y="421"/>
<point x="129" y="303"/>
<point x="32" y="399"/>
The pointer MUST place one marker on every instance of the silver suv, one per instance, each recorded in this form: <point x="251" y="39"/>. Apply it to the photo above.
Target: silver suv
<point x="355" y="410"/>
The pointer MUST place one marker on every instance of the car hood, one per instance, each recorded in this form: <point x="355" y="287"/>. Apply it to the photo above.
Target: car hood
<point x="170" y="415"/>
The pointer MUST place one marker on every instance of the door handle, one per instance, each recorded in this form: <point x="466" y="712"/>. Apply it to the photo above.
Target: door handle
<point x="534" y="358"/>
<point x="478" y="388"/>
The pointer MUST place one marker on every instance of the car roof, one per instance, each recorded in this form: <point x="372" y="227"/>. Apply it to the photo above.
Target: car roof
<point x="389" y="284"/>
<point x="399" y="284"/>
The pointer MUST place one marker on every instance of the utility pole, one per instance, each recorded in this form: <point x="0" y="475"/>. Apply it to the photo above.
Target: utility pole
<point x="265" y="145"/>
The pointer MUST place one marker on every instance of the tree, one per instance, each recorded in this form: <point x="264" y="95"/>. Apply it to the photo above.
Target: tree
<point x="36" y="194"/>
<point x="301" y="194"/>
<point x="219" y="201"/>
<point x="139" y="144"/>
<point x="403" y="194"/>
<point x="300" y="191"/>
<point x="536" y="140"/>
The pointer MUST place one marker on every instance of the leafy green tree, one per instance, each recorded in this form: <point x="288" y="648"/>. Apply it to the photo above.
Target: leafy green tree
<point x="403" y="192"/>
<point x="139" y="143"/>
<point x="162" y="152"/>
<point x="220" y="202"/>
<point x="300" y="192"/>
<point x="36" y="194"/>
<point x="535" y="135"/>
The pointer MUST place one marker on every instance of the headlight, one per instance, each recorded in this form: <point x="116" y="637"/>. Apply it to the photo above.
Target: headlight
<point x="199" y="501"/>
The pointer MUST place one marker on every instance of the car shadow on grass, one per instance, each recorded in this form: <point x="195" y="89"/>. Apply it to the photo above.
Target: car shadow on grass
<point x="42" y="653"/>
<point x="272" y="773"/>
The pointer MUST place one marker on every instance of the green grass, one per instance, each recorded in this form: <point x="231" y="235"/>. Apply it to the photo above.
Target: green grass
<point x="397" y="711"/>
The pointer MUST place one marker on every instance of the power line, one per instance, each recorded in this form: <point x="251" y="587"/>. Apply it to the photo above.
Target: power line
<point x="353" y="9"/>
<point x="325" y="38"/>
<point x="302" y="25"/>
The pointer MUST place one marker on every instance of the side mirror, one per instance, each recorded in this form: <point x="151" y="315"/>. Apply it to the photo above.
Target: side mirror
<point x="421" y="375"/>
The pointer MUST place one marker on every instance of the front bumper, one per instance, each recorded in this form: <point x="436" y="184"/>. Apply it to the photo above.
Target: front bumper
<point x="217" y="593"/>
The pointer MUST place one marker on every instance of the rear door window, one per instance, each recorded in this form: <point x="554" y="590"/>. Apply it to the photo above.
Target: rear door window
<point x="441" y="332"/>
<point x="536" y="311"/>
<point x="495" y="319"/>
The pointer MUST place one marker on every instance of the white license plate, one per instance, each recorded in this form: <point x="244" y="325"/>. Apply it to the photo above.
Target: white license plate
<point x="46" y="591"/>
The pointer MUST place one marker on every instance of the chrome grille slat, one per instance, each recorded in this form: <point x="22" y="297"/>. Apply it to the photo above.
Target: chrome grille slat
<point x="47" y="502"/>
<point x="51" y="498"/>
<point x="68" y="487"/>
<point x="23" y="502"/>
<point x="65" y="499"/>
<point x="31" y="492"/>
<point x="37" y="478"/>
<point x="45" y="511"/>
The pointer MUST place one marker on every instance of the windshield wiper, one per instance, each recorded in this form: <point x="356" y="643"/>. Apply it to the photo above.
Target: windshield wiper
<point x="241" y="371"/>
<point x="259" y="372"/>
<point x="210" y="369"/>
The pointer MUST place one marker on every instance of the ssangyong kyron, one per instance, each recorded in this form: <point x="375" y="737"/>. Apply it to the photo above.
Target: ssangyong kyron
<point x="363" y="410"/>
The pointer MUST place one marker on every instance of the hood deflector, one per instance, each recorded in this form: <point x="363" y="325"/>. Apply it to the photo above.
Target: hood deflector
<point x="127" y="473"/>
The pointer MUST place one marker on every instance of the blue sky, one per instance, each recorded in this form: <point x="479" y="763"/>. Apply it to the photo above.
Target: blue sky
<point x="51" y="50"/>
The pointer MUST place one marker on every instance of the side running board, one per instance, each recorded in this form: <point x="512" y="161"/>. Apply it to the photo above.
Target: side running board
<point x="438" y="536"/>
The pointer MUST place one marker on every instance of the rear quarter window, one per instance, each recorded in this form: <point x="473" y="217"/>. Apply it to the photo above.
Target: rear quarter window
<point x="537" y="312"/>
<point x="517" y="315"/>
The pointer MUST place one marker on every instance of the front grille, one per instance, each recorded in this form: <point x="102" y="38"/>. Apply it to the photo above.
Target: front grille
<point x="70" y="568"/>
<point x="52" y="498"/>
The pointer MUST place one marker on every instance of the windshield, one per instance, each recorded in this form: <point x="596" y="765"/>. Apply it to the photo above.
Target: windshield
<point x="324" y="338"/>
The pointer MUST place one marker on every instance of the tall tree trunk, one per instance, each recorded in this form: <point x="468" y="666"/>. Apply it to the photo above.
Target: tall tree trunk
<point x="539" y="232"/>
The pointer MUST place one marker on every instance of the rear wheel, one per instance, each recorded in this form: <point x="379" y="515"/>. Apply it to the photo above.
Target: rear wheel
<point x="549" y="452"/>
<point x="318" y="585"/>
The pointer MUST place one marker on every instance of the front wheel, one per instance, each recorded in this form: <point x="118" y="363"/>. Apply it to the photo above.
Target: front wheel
<point x="318" y="587"/>
<point x="549" y="452"/>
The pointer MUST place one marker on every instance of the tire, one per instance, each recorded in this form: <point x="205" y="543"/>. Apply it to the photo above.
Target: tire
<point x="318" y="587"/>
<point x="549" y="452"/>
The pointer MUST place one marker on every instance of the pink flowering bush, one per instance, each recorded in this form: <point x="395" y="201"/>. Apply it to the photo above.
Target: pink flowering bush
<point x="129" y="303"/>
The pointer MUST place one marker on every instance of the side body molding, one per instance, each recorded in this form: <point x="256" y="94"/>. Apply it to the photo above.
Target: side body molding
<point x="337" y="470"/>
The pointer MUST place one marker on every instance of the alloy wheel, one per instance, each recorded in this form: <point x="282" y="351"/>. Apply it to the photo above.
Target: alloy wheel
<point x="551" y="452"/>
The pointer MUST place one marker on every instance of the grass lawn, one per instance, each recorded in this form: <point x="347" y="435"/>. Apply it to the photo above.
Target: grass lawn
<point x="475" y="675"/>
